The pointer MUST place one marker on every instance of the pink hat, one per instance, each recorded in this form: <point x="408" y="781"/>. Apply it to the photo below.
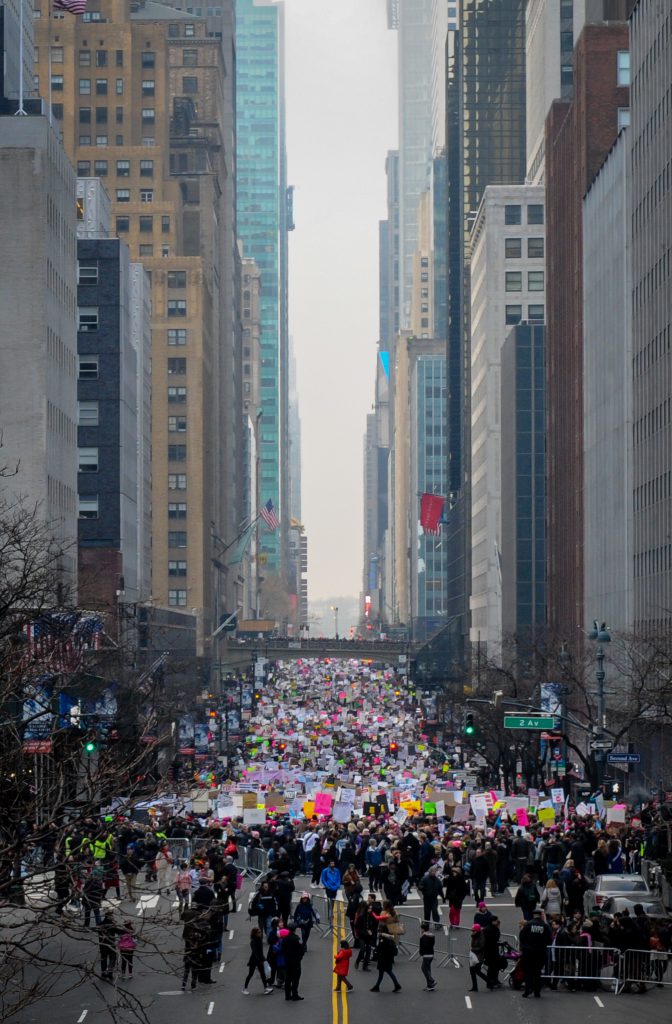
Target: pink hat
<point x="481" y="905"/>
<point x="475" y="927"/>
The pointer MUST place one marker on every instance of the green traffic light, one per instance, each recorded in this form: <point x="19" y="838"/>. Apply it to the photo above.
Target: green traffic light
<point x="90" y="747"/>
<point x="469" y="730"/>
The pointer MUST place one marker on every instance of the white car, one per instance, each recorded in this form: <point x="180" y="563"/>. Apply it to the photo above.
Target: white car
<point x="619" y="885"/>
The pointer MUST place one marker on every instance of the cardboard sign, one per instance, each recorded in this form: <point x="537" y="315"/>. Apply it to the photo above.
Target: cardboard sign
<point x="254" y="816"/>
<point x="521" y="817"/>
<point x="323" y="803"/>
<point x="546" y="814"/>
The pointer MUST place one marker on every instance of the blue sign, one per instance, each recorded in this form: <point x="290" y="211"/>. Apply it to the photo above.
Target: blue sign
<point x="616" y="758"/>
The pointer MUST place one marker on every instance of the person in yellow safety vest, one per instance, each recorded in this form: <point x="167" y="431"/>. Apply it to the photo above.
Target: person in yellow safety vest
<point x="102" y="846"/>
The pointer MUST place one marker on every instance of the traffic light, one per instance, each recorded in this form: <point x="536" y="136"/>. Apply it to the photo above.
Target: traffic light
<point x="257" y="696"/>
<point x="469" y="724"/>
<point x="212" y="714"/>
<point x="394" y="747"/>
<point x="282" y="747"/>
<point x="90" y="746"/>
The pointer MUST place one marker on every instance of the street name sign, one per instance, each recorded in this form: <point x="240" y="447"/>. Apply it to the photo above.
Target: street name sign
<point x="529" y="722"/>
<point x="622" y="758"/>
<point x="601" y="745"/>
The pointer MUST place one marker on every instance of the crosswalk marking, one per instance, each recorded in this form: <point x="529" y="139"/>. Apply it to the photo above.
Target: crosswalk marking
<point x="599" y="1002"/>
<point x="211" y="1007"/>
<point x="146" y="903"/>
<point x="468" y="1002"/>
<point x="82" y="1016"/>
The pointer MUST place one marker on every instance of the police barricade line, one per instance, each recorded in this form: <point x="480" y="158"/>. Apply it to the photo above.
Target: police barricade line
<point x="639" y="966"/>
<point x="461" y="939"/>
<point x="180" y="849"/>
<point x="582" y="967"/>
<point x="408" y="943"/>
<point x="324" y="908"/>
<point x="257" y="861"/>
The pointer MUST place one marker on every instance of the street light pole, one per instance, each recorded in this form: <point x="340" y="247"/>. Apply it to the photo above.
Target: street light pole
<point x="334" y="609"/>
<point x="600" y="634"/>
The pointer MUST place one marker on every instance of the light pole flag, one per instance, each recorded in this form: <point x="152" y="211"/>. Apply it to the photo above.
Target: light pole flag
<point x="72" y="6"/>
<point x="268" y="514"/>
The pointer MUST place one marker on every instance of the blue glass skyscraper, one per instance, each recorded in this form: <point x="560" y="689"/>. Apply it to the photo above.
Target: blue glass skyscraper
<point x="262" y="228"/>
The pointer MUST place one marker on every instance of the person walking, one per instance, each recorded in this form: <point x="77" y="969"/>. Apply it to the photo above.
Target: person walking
<point x="373" y="859"/>
<point x="535" y="937"/>
<point x="330" y="879"/>
<point x="127" y="944"/>
<point x="479" y="874"/>
<point x="527" y="896"/>
<point x="130" y="866"/>
<point x="426" y="951"/>
<point x="476" y="956"/>
<point x="387" y="951"/>
<point x="342" y="966"/>
<point x="431" y="889"/>
<point x="92" y="897"/>
<point x="108" y="931"/>
<point x="183" y="887"/>
<point x="551" y="899"/>
<point x="305" y="916"/>
<point x="456" y="888"/>
<point x="491" y="954"/>
<point x="256" y="962"/>
<point x="292" y="949"/>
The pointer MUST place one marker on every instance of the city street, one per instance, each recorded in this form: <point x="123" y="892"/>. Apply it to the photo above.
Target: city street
<point x="155" y="993"/>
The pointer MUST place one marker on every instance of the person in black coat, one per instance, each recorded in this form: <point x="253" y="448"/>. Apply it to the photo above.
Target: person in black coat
<point x="292" y="949"/>
<point x="491" y="954"/>
<point x="256" y="962"/>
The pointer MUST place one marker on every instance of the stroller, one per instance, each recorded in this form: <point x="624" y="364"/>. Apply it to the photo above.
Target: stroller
<point x="512" y="965"/>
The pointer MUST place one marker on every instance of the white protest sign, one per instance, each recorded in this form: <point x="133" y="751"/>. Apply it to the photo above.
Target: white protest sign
<point x="253" y="816"/>
<point x="558" y="796"/>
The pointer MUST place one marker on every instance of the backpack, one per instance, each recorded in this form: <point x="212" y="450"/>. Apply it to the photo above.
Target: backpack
<point x="127" y="942"/>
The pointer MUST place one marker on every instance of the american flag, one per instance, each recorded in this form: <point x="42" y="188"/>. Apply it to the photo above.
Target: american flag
<point x="59" y="640"/>
<point x="72" y="6"/>
<point x="268" y="514"/>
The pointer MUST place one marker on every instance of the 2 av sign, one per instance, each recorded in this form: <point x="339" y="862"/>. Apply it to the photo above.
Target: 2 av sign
<point x="529" y="722"/>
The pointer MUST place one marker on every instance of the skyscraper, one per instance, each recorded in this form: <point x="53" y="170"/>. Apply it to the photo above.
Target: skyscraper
<point x="262" y="227"/>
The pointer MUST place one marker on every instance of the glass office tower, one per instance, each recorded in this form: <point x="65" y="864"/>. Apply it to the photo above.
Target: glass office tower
<point x="261" y="188"/>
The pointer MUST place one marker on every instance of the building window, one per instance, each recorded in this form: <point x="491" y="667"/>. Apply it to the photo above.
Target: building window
<point x="88" y="318"/>
<point x="101" y="58"/>
<point x="177" y="395"/>
<point x="535" y="312"/>
<point x="87" y="412"/>
<point x="189" y="30"/>
<point x="165" y="250"/>
<point x="85" y="140"/>
<point x="118" y="140"/>
<point x="100" y="168"/>
<point x="535" y="248"/>
<point x="146" y="250"/>
<point x="189" y="85"/>
<point x="119" y="115"/>
<point x="57" y="111"/>
<point x="85" y="115"/>
<point x="424" y="277"/>
<point x="101" y="140"/>
<point x="148" y="59"/>
<point x="176" y="568"/>
<point x="123" y="168"/>
<point x="623" y="118"/>
<point x="146" y="224"/>
<point x="87" y="272"/>
<point x="101" y="87"/>
<point x="177" y="279"/>
<point x="147" y="140"/>
<point x="512" y="214"/>
<point x="177" y="424"/>
<point x="177" y="307"/>
<point x="148" y="115"/>
<point x="514" y="314"/>
<point x="85" y="58"/>
<point x="57" y="55"/>
<point x="57" y="83"/>
<point x="177" y="538"/>
<point x="513" y="248"/>
<point x="177" y="598"/>
<point x="535" y="281"/>
<point x="88" y="506"/>
<point x="146" y="195"/>
<point x="177" y="481"/>
<point x="88" y="368"/>
<point x="85" y="87"/>
<point x="623" y="67"/>
<point x="122" y="224"/>
<point x="87" y="460"/>
<point x="190" y="58"/>
<point x="120" y="87"/>
<point x="177" y="367"/>
<point x="535" y="213"/>
<point x="177" y="510"/>
<point x="83" y="168"/>
<point x="119" y="58"/>
<point x="177" y="453"/>
<point x="514" y="281"/>
<point x="148" y="87"/>
<point x="146" y="168"/>
<point x="123" y="195"/>
<point x="177" y="336"/>
<point x="165" y="224"/>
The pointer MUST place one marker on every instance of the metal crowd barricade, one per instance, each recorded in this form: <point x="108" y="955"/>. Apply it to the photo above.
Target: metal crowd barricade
<point x="257" y="861"/>
<point x="409" y="942"/>
<point x="180" y="849"/>
<point x="583" y="965"/>
<point x="321" y="905"/>
<point x="639" y="966"/>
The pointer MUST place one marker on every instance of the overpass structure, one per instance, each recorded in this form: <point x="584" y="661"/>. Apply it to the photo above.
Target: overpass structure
<point x="242" y="654"/>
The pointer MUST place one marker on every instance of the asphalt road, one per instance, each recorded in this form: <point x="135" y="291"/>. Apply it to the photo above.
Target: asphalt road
<point x="155" y="996"/>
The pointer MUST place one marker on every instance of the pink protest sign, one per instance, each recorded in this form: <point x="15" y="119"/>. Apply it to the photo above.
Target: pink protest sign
<point x="323" y="803"/>
<point x="522" y="818"/>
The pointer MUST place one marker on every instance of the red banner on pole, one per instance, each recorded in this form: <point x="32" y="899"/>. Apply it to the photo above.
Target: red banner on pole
<point x="431" y="507"/>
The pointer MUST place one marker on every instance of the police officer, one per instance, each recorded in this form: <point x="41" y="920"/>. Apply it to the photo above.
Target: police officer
<point x="535" y="937"/>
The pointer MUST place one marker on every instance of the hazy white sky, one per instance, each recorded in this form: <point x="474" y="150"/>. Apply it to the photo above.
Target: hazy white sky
<point x="341" y="121"/>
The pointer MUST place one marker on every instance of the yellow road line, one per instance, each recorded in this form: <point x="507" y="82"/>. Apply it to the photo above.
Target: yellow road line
<point x="332" y="976"/>
<point x="344" y="991"/>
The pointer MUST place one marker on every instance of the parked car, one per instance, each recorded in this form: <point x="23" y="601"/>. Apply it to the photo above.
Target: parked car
<point x="617" y="904"/>
<point x="620" y="885"/>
